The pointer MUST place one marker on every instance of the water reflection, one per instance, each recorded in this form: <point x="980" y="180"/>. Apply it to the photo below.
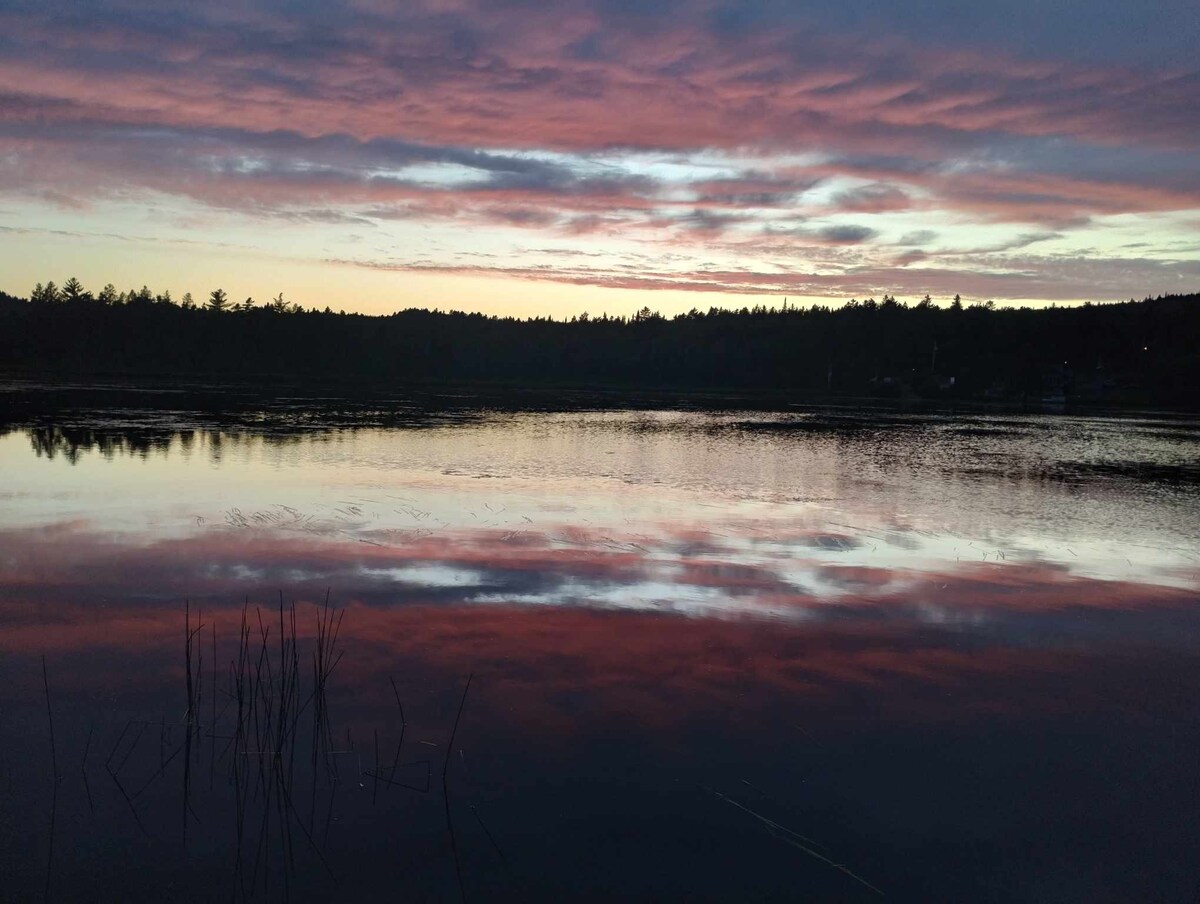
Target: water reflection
<point x="591" y="736"/>
<point x="801" y="578"/>
<point x="959" y="656"/>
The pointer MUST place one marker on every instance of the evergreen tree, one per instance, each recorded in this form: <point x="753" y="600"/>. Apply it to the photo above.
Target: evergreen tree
<point x="218" y="301"/>
<point x="72" y="290"/>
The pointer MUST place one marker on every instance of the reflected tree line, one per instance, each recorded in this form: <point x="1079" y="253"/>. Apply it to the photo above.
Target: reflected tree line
<point x="71" y="443"/>
<point x="247" y="420"/>
<point x="262" y="427"/>
<point x="1137" y="351"/>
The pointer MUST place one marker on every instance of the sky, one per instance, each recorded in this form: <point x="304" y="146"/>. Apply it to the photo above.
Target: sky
<point x="535" y="158"/>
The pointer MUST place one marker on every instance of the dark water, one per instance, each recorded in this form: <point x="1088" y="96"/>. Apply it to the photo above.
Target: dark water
<point x="714" y="653"/>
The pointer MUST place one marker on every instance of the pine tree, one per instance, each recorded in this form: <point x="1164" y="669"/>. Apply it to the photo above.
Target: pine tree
<point x="72" y="290"/>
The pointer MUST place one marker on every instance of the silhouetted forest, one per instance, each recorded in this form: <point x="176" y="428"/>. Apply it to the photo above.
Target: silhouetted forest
<point x="1136" y="352"/>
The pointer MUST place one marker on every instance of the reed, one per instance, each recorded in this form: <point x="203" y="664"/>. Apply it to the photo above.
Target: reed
<point x="259" y="711"/>
<point x="54" y="787"/>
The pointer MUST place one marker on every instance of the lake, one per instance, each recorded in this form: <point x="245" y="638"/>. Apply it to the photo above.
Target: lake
<point x="450" y="646"/>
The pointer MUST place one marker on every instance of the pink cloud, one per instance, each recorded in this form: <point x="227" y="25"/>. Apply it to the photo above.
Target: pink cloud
<point x="317" y="119"/>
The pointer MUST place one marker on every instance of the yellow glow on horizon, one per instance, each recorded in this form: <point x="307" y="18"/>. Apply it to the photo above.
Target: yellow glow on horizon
<point x="27" y="258"/>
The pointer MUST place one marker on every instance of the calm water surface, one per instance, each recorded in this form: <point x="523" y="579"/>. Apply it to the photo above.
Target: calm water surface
<point x="721" y="654"/>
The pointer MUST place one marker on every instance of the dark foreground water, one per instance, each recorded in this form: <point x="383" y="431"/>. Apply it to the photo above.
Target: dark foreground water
<point x="732" y="654"/>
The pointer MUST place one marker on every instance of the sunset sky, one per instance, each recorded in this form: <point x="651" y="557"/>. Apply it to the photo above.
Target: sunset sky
<point x="550" y="158"/>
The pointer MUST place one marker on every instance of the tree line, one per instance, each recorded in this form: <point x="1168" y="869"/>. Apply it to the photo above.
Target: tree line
<point x="1138" y="352"/>
<point x="218" y="300"/>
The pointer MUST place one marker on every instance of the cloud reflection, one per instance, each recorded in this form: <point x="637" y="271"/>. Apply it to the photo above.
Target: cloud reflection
<point x="75" y="567"/>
